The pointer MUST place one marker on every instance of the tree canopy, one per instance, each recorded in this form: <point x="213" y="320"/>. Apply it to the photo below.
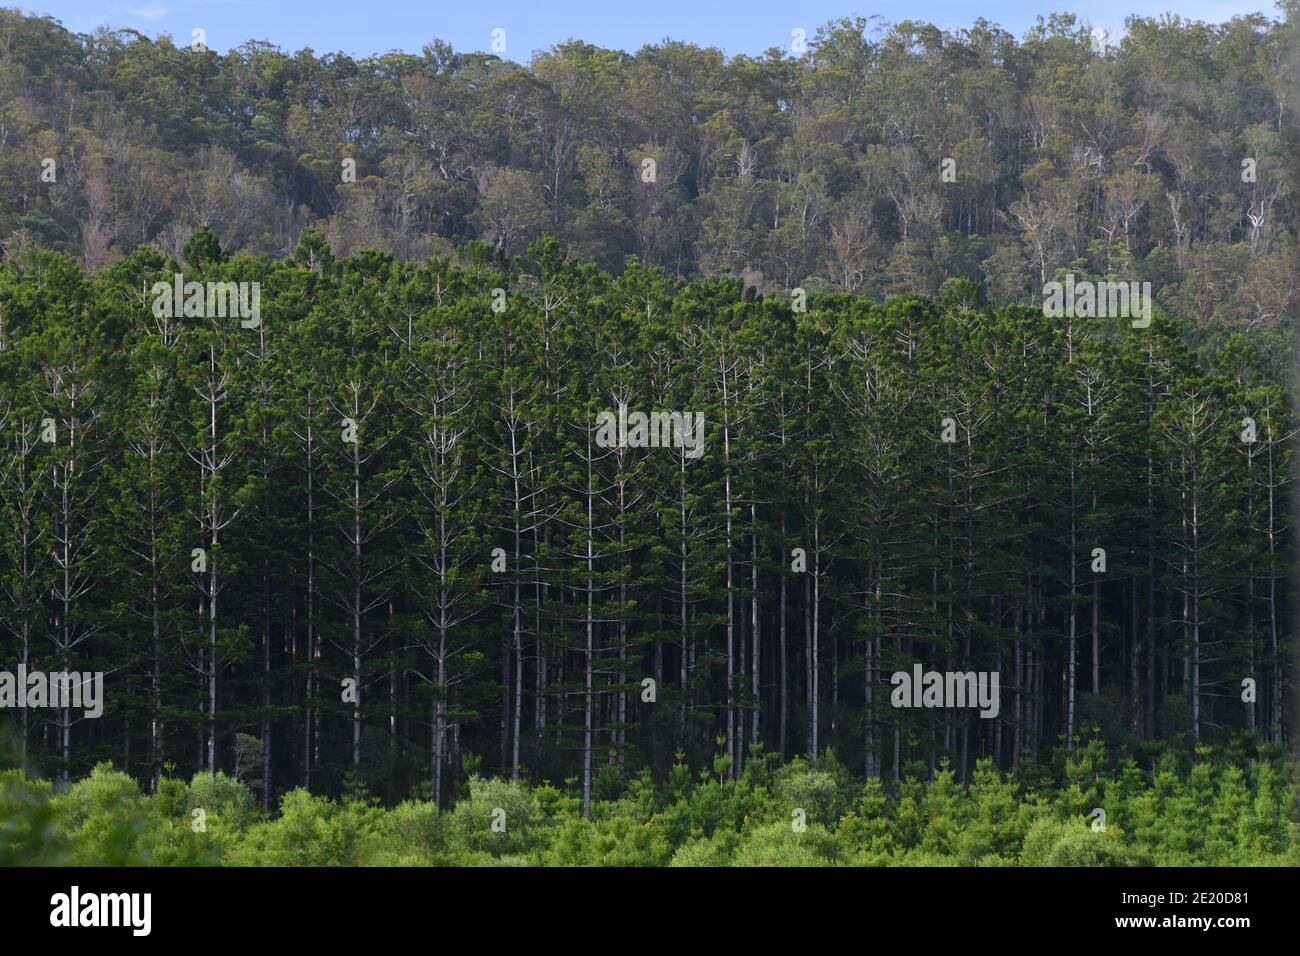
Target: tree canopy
<point x="882" y="159"/>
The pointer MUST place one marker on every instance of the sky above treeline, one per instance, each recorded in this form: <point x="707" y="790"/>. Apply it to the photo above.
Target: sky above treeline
<point x="363" y="27"/>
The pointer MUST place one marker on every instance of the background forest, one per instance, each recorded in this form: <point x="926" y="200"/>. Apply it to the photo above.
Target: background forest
<point x="822" y="170"/>
<point x="367" y="564"/>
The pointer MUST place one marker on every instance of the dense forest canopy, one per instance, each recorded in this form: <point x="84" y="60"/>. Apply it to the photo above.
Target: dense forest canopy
<point x="881" y="159"/>
<point x="376" y="538"/>
<point x="603" y="449"/>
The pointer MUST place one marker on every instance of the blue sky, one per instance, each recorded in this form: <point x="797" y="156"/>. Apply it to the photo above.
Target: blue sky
<point x="362" y="27"/>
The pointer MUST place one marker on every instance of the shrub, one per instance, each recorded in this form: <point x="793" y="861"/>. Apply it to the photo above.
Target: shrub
<point x="777" y="844"/>
<point x="102" y="819"/>
<point x="470" y="826"/>
<point x="310" y="831"/>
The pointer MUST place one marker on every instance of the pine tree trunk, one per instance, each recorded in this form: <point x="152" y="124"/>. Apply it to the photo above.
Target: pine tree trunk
<point x="755" y="625"/>
<point x="783" y="690"/>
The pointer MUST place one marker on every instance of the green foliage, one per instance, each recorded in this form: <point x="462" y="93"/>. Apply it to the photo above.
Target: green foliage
<point x="492" y="581"/>
<point x="221" y="798"/>
<point x="1051" y="842"/>
<point x="1208" y="812"/>
<point x="28" y="832"/>
<point x="445" y="164"/>
<point x="413" y="833"/>
<point x="817" y="792"/>
<point x="475" y="554"/>
<point x="309" y="831"/>
<point x="718" y="850"/>
<point x="777" y="844"/>
<point x="102" y="818"/>
<point x="616" y="841"/>
<point x="507" y="806"/>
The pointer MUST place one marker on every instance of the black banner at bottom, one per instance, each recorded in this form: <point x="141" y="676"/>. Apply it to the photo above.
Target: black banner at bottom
<point x="137" y="906"/>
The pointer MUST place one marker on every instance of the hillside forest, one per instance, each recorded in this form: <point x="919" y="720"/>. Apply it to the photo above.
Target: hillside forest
<point x="390" y="552"/>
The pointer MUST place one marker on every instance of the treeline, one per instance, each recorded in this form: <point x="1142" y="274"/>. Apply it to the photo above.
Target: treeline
<point x="377" y="539"/>
<point x="1227" y="809"/>
<point x="880" y="159"/>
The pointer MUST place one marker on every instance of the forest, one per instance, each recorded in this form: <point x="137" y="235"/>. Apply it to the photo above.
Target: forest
<point x="374" y="540"/>
<point x="882" y="159"/>
<point x="519" y="502"/>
